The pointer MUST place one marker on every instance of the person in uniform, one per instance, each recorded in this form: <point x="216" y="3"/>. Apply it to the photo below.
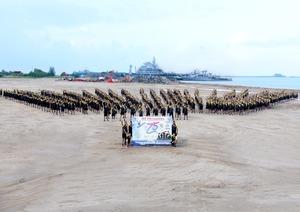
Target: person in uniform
<point x="171" y="111"/>
<point x="108" y="111"/>
<point x="185" y="112"/>
<point x="105" y="112"/>
<point x="122" y="112"/>
<point x="124" y="132"/>
<point x="84" y="107"/>
<point x="174" y="134"/>
<point x="141" y="113"/>
<point x="163" y="111"/>
<point x="132" y="111"/>
<point x="155" y="111"/>
<point x="178" y="111"/>
<point x="148" y="111"/>
<point x="129" y="134"/>
<point x="113" y="113"/>
<point x="62" y="108"/>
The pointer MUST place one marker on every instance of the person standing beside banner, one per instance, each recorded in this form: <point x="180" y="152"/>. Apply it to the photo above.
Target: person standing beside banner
<point x="132" y="111"/>
<point x="129" y="134"/>
<point x="124" y="132"/>
<point x="148" y="113"/>
<point x="174" y="134"/>
<point x="163" y="111"/>
<point x="141" y="112"/>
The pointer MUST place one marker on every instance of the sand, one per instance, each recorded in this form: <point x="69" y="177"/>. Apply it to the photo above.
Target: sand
<point x="77" y="163"/>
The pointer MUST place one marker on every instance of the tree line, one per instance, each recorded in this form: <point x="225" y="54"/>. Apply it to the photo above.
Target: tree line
<point x="36" y="73"/>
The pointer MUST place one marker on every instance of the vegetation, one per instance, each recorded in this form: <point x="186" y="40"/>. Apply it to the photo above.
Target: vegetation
<point x="4" y="73"/>
<point x="36" y="73"/>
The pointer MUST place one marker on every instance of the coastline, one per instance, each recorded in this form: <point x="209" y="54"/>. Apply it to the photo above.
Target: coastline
<point x="236" y="86"/>
<point x="194" y="83"/>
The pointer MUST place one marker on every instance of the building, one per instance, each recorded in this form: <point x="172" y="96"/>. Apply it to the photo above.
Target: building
<point x="150" y="69"/>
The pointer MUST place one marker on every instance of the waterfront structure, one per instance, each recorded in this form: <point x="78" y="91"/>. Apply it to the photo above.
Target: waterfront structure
<point x="150" y="69"/>
<point x="204" y="75"/>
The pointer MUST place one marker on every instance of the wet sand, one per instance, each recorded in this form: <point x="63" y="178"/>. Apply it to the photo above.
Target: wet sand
<point x="77" y="163"/>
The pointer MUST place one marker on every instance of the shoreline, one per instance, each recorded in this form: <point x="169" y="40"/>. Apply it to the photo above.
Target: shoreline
<point x="193" y="83"/>
<point x="237" y="86"/>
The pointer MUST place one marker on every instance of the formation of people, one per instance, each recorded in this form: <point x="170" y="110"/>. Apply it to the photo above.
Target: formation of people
<point x="166" y="102"/>
<point x="54" y="102"/>
<point x="237" y="103"/>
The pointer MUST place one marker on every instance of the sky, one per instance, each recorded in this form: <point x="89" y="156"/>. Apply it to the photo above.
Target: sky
<point x="227" y="37"/>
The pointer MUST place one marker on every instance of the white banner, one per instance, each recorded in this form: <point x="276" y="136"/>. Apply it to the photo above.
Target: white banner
<point x="151" y="130"/>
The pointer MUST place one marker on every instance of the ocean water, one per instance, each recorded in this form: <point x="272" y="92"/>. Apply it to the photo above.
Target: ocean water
<point x="264" y="82"/>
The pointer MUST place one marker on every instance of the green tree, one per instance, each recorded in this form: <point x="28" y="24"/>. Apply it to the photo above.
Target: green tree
<point x="38" y="73"/>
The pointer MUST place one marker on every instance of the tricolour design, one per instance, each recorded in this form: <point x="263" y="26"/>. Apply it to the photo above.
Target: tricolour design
<point x="151" y="131"/>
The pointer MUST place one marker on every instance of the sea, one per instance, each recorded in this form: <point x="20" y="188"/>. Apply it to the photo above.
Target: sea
<point x="263" y="82"/>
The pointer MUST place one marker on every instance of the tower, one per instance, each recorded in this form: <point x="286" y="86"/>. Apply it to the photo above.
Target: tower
<point x="154" y="61"/>
<point x="130" y="69"/>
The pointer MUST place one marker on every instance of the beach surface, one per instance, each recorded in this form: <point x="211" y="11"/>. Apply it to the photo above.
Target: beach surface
<point x="76" y="162"/>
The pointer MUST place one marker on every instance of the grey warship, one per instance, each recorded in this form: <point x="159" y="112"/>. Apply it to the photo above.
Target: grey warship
<point x="204" y="75"/>
<point x="150" y="71"/>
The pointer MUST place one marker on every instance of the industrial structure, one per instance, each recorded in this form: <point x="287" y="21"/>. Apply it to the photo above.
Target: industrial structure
<point x="150" y="68"/>
<point x="149" y="72"/>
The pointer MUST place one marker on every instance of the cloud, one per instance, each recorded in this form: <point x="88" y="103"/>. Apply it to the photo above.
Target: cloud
<point x="223" y="36"/>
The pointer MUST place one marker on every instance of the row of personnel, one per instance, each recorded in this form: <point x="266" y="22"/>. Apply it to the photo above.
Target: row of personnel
<point x="170" y="102"/>
<point x="111" y="104"/>
<point x="234" y="102"/>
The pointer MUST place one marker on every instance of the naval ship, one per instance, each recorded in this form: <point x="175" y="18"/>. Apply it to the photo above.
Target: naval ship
<point x="149" y="70"/>
<point x="204" y="75"/>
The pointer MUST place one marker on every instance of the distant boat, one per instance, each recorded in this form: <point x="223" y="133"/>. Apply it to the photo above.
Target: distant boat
<point x="278" y="75"/>
<point x="150" y="69"/>
<point x="198" y="75"/>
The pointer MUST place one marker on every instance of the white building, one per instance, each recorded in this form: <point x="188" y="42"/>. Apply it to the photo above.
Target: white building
<point x="149" y="68"/>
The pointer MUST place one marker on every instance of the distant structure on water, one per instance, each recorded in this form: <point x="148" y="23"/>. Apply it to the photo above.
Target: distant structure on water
<point x="130" y="69"/>
<point x="150" y="68"/>
<point x="198" y="75"/>
<point x="149" y="72"/>
<point x="278" y="75"/>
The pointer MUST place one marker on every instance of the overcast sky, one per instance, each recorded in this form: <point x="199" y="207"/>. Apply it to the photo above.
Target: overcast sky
<point x="230" y="37"/>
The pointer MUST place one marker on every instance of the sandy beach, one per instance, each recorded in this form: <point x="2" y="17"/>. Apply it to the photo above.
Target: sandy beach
<point x="76" y="162"/>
